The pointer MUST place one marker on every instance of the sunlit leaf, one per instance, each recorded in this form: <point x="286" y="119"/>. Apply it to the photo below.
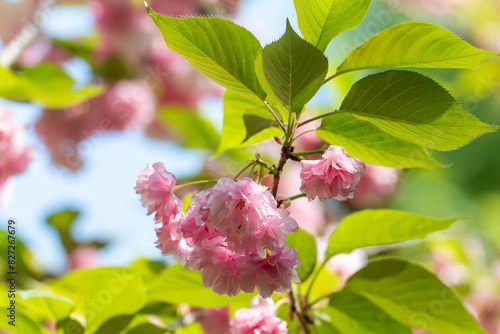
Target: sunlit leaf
<point x="414" y="44"/>
<point x="46" y="84"/>
<point x="305" y="244"/>
<point x="369" y="143"/>
<point x="218" y="48"/>
<point x="321" y="20"/>
<point x="381" y="227"/>
<point x="413" y="296"/>
<point x="291" y="70"/>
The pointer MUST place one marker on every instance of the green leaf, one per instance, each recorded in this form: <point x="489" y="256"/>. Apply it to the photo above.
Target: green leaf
<point x="177" y="285"/>
<point x="257" y="119"/>
<point x="351" y="313"/>
<point x="321" y="20"/>
<point x="367" y="142"/>
<point x="102" y="293"/>
<point x="46" y="304"/>
<point x="114" y="292"/>
<point x="189" y="128"/>
<point x="415" y="108"/>
<point x="234" y="134"/>
<point x="46" y="84"/>
<point x="291" y="70"/>
<point x="62" y="221"/>
<point x="414" y="44"/>
<point x="305" y="244"/>
<point x="381" y="227"/>
<point x="218" y="48"/>
<point x="413" y="296"/>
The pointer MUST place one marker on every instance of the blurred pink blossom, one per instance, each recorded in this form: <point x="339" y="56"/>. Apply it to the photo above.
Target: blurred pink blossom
<point x="125" y="104"/>
<point x="214" y="320"/>
<point x="14" y="154"/>
<point x="83" y="256"/>
<point x="345" y="265"/>
<point x="376" y="185"/>
<point x="260" y="318"/>
<point x="335" y="176"/>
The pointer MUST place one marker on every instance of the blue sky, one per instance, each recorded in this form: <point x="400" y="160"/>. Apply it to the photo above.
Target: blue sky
<point x="103" y="189"/>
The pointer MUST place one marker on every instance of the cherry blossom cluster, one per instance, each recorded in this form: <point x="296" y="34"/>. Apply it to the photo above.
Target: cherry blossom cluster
<point x="14" y="154"/>
<point x="233" y="233"/>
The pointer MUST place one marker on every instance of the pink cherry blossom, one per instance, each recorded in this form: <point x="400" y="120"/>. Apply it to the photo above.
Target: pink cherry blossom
<point x="169" y="234"/>
<point x="214" y="320"/>
<point x="218" y="268"/>
<point x="14" y="154"/>
<point x="83" y="256"/>
<point x="156" y="187"/>
<point x="335" y="176"/>
<point x="260" y="318"/>
<point x="345" y="265"/>
<point x="273" y="273"/>
<point x="238" y="207"/>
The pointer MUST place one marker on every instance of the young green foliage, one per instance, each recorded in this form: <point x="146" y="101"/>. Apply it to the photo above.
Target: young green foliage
<point x="414" y="44"/>
<point x="351" y="313"/>
<point x="305" y="244"/>
<point x="321" y="20"/>
<point x="367" y="142"/>
<point x="46" y="84"/>
<point x="218" y="48"/>
<point x="381" y="227"/>
<point x="413" y="296"/>
<point x="414" y="108"/>
<point x="234" y="133"/>
<point x="291" y="70"/>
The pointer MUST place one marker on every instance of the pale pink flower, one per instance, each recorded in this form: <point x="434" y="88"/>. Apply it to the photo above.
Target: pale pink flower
<point x="169" y="234"/>
<point x="156" y="187"/>
<point x="236" y="207"/>
<point x="83" y="256"/>
<point x="126" y="104"/>
<point x="14" y="154"/>
<point x="273" y="273"/>
<point x="335" y="176"/>
<point x="376" y="185"/>
<point x="345" y="265"/>
<point x="218" y="268"/>
<point x="260" y="318"/>
<point x="214" y="320"/>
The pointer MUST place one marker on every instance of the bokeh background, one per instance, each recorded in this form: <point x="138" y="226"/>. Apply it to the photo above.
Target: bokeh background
<point x="75" y="206"/>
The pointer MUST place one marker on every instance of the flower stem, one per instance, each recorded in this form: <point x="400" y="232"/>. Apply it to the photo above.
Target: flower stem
<point x="244" y="169"/>
<point x="193" y="183"/>
<point x="301" y="154"/>
<point x="280" y="123"/>
<point x="293" y="197"/>
<point x="317" y="117"/>
<point x="297" y="314"/>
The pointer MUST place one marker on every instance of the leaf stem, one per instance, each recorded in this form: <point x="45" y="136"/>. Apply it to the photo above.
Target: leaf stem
<point x="333" y="76"/>
<point x="317" y="117"/>
<point x="244" y="169"/>
<point x="301" y="320"/>
<point x="180" y="186"/>
<point x="280" y="123"/>
<point x="301" y="154"/>
<point x="293" y="197"/>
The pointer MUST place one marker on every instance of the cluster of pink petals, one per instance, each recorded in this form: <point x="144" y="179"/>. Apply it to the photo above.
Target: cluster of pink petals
<point x="125" y="104"/>
<point x="233" y="233"/>
<point x="260" y="318"/>
<point x="14" y="154"/>
<point x="335" y="176"/>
